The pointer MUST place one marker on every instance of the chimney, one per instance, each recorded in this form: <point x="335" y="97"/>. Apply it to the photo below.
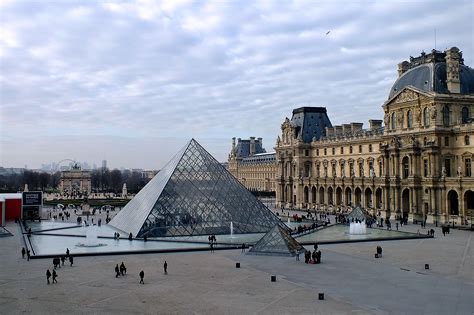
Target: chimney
<point x="402" y="68"/>
<point x="356" y="126"/>
<point x="453" y="59"/>
<point x="346" y="128"/>
<point x="375" y="124"/>
<point x="252" y="146"/>
<point x="260" y="140"/>
<point x="338" y="130"/>
<point x="329" y="131"/>
<point x="233" y="144"/>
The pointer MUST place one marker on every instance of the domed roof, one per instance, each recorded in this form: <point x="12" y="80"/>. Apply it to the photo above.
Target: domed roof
<point x="431" y="77"/>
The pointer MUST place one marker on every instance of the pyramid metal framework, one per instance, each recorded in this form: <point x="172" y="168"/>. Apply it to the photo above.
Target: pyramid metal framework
<point x="278" y="242"/>
<point x="356" y="213"/>
<point x="193" y="195"/>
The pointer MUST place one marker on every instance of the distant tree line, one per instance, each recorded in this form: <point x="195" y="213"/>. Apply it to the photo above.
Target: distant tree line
<point x="102" y="180"/>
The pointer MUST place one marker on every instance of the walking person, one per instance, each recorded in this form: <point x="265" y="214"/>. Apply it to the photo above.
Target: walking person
<point x="23" y="252"/>
<point x="48" y="275"/>
<point x="297" y="255"/>
<point x="165" y="267"/>
<point x="67" y="252"/>
<point x="28" y="254"/>
<point x="117" y="271"/>
<point x="243" y="247"/>
<point x="142" y="275"/>
<point x="55" y="275"/>
<point x="123" y="269"/>
<point x="63" y="259"/>
<point x="71" y="260"/>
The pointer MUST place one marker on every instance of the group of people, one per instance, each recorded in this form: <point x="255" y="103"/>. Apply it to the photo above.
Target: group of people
<point x="49" y="274"/>
<point x="305" y="228"/>
<point x="62" y="259"/>
<point x="25" y="252"/>
<point x="122" y="271"/>
<point x="212" y="241"/>
<point x="310" y="257"/>
<point x="116" y="236"/>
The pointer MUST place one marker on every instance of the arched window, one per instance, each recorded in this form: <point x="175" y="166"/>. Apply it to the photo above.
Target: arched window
<point x="426" y="117"/>
<point x="393" y="120"/>
<point x="445" y="116"/>
<point x="409" y="119"/>
<point x="464" y="115"/>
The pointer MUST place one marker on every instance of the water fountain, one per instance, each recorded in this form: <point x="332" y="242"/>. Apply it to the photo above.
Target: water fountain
<point x="231" y="229"/>
<point x="358" y="228"/>
<point x="91" y="237"/>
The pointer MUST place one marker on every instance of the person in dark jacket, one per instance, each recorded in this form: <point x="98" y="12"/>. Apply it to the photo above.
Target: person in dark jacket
<point x="55" y="275"/>
<point x="23" y="253"/>
<point x="123" y="269"/>
<point x="71" y="260"/>
<point x="48" y="275"/>
<point x="142" y="275"/>
<point x="117" y="271"/>
<point x="165" y="267"/>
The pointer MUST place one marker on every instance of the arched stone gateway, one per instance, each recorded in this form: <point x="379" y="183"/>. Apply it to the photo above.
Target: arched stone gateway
<point x="338" y="196"/>
<point x="469" y="206"/>
<point x="406" y="203"/>
<point x="358" y="196"/>
<point x="368" y="198"/>
<point x="330" y="194"/>
<point x="306" y="194"/>
<point x="313" y="195"/>
<point x="378" y="198"/>
<point x="348" y="196"/>
<point x="453" y="203"/>
<point x="321" y="195"/>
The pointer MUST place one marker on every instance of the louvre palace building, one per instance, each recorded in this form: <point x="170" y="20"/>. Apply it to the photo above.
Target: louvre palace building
<point x="416" y="163"/>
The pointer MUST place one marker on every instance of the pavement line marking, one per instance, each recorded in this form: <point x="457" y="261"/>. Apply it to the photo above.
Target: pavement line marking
<point x="464" y="254"/>
<point x="109" y="298"/>
<point x="277" y="300"/>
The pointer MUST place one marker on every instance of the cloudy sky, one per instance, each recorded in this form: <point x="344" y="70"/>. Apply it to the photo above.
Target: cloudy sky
<point x="131" y="82"/>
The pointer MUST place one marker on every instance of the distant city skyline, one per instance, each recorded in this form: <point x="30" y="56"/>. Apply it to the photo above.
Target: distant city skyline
<point x="133" y="82"/>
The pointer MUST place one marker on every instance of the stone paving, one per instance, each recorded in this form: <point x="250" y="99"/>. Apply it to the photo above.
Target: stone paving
<point x="354" y="282"/>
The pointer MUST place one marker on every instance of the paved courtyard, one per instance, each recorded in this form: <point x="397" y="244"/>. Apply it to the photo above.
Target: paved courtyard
<point x="354" y="282"/>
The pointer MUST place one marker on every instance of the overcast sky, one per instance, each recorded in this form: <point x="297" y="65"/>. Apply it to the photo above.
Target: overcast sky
<point x="132" y="82"/>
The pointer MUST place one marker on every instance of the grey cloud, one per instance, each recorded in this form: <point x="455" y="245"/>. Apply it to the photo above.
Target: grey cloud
<point x="124" y="73"/>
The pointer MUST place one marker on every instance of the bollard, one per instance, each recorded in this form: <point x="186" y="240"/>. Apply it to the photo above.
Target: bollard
<point x="237" y="265"/>
<point x="274" y="278"/>
<point x="427" y="266"/>
<point x="321" y="296"/>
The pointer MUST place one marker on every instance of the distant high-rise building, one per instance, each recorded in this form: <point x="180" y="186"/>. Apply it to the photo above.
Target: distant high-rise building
<point x="104" y="163"/>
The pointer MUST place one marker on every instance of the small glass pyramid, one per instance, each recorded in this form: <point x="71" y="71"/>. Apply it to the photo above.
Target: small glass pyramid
<point x="278" y="242"/>
<point x="193" y="195"/>
<point x="357" y="214"/>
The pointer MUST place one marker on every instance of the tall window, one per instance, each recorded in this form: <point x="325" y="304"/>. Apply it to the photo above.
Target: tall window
<point x="464" y="115"/>
<point x="425" y="168"/>
<point x="446" y="141"/>
<point x="370" y="148"/>
<point x="446" y="116"/>
<point x="333" y="151"/>
<point x="426" y="117"/>
<point x="317" y="152"/>
<point x="342" y="150"/>
<point x="467" y="164"/>
<point x="409" y="119"/>
<point x="393" y="121"/>
<point x="360" y="149"/>
<point x="406" y="167"/>
<point x="447" y="167"/>
<point x="350" y="149"/>
<point x="466" y="140"/>
<point x="325" y="151"/>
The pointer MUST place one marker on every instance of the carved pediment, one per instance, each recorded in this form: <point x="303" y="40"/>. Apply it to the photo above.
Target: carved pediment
<point x="406" y="96"/>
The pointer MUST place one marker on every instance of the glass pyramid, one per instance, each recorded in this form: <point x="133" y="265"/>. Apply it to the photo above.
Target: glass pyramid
<point x="277" y="241"/>
<point x="193" y="195"/>
<point x="356" y="213"/>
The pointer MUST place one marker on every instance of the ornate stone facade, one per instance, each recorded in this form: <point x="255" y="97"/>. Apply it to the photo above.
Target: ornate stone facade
<point x="418" y="165"/>
<point x="252" y="166"/>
